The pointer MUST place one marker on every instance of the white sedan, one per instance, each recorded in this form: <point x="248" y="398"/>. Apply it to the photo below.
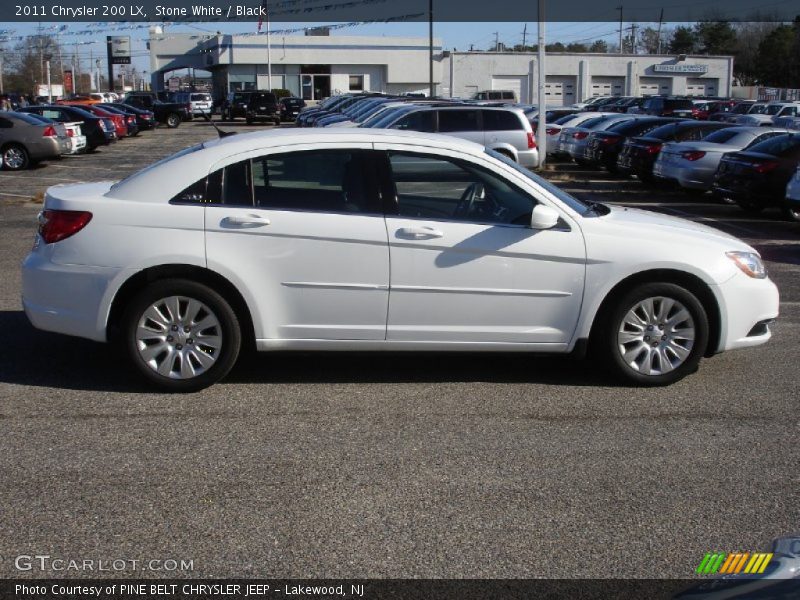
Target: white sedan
<point x="357" y="239"/>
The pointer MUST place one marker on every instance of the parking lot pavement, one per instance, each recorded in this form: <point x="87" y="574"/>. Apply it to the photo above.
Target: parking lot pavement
<point x="394" y="466"/>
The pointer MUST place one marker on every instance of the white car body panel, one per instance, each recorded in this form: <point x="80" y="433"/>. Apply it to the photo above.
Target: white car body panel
<point x="317" y="281"/>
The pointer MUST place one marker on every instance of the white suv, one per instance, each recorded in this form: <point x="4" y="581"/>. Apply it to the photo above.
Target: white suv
<point x="360" y="239"/>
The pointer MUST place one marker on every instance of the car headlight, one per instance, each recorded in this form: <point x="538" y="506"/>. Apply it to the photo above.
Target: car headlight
<point x="749" y="262"/>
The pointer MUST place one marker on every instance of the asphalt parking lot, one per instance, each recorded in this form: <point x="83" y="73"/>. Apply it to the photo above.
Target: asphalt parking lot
<point x="393" y="466"/>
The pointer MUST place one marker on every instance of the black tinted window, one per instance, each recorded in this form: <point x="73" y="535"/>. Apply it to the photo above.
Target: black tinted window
<point x="421" y="120"/>
<point x="679" y="104"/>
<point x="778" y="146"/>
<point x="500" y="120"/>
<point x="458" y="120"/>
<point x="721" y="136"/>
<point x="445" y="189"/>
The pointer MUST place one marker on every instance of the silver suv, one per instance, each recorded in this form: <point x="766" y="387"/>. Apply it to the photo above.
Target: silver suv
<point x="504" y="129"/>
<point x="202" y="103"/>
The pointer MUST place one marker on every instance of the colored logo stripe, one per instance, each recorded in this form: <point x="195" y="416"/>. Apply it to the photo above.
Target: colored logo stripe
<point x="734" y="563"/>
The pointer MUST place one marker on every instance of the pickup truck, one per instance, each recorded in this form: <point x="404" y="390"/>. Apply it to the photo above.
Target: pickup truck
<point x="171" y="114"/>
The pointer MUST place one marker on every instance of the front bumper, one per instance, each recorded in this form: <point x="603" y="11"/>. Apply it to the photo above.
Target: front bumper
<point x="746" y="305"/>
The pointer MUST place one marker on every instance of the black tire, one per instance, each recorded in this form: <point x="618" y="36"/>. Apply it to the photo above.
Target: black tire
<point x="228" y="323"/>
<point x="607" y="349"/>
<point x="173" y="120"/>
<point x="15" y="157"/>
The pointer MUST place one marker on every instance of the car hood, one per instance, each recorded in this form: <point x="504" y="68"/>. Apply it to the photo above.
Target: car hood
<point x="632" y="219"/>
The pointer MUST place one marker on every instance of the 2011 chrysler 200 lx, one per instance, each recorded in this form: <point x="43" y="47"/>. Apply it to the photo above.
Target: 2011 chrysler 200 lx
<point x="380" y="240"/>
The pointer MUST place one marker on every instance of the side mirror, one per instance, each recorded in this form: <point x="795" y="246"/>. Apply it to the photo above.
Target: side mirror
<point x="544" y="217"/>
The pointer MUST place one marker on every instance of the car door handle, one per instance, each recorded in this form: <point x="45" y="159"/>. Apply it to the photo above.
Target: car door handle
<point x="245" y="221"/>
<point x="419" y="232"/>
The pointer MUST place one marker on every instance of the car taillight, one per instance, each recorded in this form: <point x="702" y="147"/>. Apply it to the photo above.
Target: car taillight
<point x="609" y="139"/>
<point x="695" y="112"/>
<point x="765" y="167"/>
<point x="49" y="131"/>
<point x="552" y="130"/>
<point x="693" y="155"/>
<point x="131" y="119"/>
<point x="70" y="132"/>
<point x="102" y="125"/>
<point x="579" y="135"/>
<point x="531" y="140"/>
<point x="653" y="148"/>
<point x="57" y="225"/>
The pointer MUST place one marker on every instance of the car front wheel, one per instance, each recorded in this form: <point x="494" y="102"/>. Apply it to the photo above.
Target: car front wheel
<point x="15" y="157"/>
<point x="655" y="334"/>
<point x="173" y="121"/>
<point x="181" y="335"/>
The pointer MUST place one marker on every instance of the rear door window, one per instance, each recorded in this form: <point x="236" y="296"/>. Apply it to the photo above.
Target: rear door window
<point x="501" y="120"/>
<point x="458" y="120"/>
<point x="421" y="120"/>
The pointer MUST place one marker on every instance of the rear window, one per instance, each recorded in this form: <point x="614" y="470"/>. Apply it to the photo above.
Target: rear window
<point x="777" y="146"/>
<point x="201" y="97"/>
<point x="26" y="118"/>
<point x="721" y="136"/>
<point x="664" y="132"/>
<point x="263" y="98"/>
<point x="679" y="104"/>
<point x="501" y="120"/>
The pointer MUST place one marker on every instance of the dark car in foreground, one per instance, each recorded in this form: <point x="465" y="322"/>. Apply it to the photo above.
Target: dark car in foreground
<point x="603" y="147"/>
<point x="263" y="106"/>
<point x="98" y="131"/>
<point x="26" y="139"/>
<point x="638" y="154"/>
<point x="757" y="178"/>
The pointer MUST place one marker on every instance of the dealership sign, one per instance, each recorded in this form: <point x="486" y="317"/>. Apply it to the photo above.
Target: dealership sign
<point x="120" y="49"/>
<point x="680" y="68"/>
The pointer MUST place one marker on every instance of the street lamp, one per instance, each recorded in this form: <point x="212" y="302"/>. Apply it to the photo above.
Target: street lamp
<point x="47" y="58"/>
<point x="97" y="74"/>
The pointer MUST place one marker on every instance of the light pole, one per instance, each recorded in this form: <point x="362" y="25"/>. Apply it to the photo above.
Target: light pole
<point x="47" y="58"/>
<point x="1" y="71"/>
<point x="97" y="73"/>
<point x="542" y="120"/>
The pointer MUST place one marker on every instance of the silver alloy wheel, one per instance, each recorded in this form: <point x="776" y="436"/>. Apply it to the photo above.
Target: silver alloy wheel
<point x="179" y="337"/>
<point x="656" y="335"/>
<point x="14" y="158"/>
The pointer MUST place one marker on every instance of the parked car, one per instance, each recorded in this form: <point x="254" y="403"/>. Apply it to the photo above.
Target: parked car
<point x="741" y="108"/>
<point x="660" y="106"/>
<point x="638" y="154"/>
<point x="200" y="103"/>
<point x="591" y="101"/>
<point x="26" y="140"/>
<point x="326" y="105"/>
<point x="603" y="146"/>
<point x="352" y="112"/>
<point x="120" y="120"/>
<point x="500" y="128"/>
<point x="554" y="130"/>
<point x="717" y="108"/>
<point x="769" y="113"/>
<point x="290" y="107"/>
<point x="76" y="100"/>
<point x="757" y="177"/>
<point x="72" y="131"/>
<point x="572" y="140"/>
<point x="145" y="119"/>
<point x="602" y="105"/>
<point x="508" y="95"/>
<point x="234" y="106"/>
<point x="171" y="114"/>
<point x="791" y="206"/>
<point x="310" y="119"/>
<point x="131" y="122"/>
<point x="263" y="106"/>
<point x="693" y="164"/>
<point x="477" y="253"/>
<point x="99" y="131"/>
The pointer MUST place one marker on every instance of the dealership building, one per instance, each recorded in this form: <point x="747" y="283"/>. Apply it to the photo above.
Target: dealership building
<point x="318" y="65"/>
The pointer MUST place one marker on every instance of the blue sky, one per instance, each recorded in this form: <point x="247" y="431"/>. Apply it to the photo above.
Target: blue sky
<point x="453" y="35"/>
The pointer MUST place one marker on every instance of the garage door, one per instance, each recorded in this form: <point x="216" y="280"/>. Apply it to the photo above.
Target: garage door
<point x="516" y="83"/>
<point x="654" y="86"/>
<point x="696" y="86"/>
<point x="559" y="90"/>
<point x="607" y="86"/>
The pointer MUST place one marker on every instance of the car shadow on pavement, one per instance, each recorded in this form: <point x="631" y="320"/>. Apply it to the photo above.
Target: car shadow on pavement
<point x="37" y="358"/>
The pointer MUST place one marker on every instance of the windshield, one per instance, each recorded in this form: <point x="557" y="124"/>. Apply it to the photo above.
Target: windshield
<point x="758" y="109"/>
<point x="178" y="154"/>
<point x="741" y="109"/>
<point x="774" y="109"/>
<point x="589" y="123"/>
<point x="575" y="204"/>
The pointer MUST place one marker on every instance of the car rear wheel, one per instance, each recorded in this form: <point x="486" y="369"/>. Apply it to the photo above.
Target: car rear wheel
<point x="15" y="157"/>
<point x="181" y="335"/>
<point x="173" y="120"/>
<point x="655" y="334"/>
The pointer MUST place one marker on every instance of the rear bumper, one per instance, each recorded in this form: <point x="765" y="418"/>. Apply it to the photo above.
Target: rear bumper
<point x="692" y="178"/>
<point x="528" y="158"/>
<point x="68" y="299"/>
